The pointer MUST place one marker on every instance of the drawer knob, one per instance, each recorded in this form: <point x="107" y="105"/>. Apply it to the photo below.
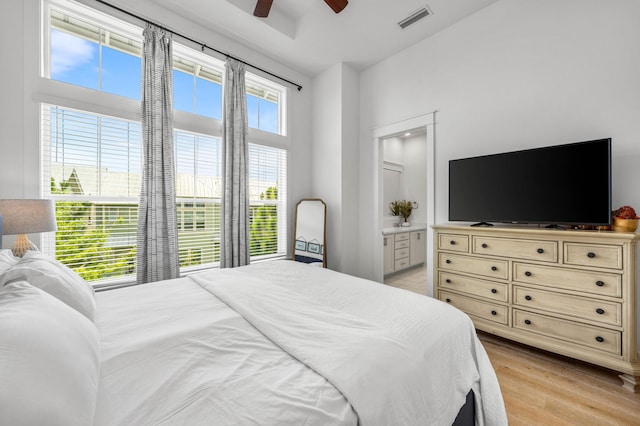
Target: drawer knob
<point x="527" y="297"/>
<point x="494" y="313"/>
<point x="453" y="243"/>
<point x="448" y="281"/>
<point x="447" y="261"/>
<point x="527" y="273"/>
<point x="599" y="339"/>
<point x="540" y="250"/>
<point x="494" y="291"/>
<point x="494" y="268"/>
<point x="591" y="255"/>
<point x="600" y="283"/>
<point x="484" y="245"/>
<point x="600" y="311"/>
<point x="528" y="322"/>
<point x="448" y="300"/>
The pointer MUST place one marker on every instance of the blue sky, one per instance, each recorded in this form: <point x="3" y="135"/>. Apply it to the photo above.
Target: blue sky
<point x="77" y="61"/>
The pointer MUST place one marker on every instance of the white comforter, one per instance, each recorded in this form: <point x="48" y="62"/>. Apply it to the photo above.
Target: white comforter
<point x="173" y="353"/>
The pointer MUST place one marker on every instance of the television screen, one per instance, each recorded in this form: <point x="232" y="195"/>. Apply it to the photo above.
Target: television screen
<point x="562" y="184"/>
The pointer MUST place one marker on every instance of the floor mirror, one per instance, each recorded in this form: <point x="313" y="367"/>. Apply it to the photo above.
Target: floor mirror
<point x="309" y="232"/>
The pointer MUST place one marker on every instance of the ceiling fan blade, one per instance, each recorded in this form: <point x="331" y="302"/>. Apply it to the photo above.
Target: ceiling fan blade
<point x="337" y="5"/>
<point x="262" y="8"/>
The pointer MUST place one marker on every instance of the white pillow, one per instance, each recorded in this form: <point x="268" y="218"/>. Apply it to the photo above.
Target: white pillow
<point x="57" y="279"/>
<point x="49" y="360"/>
<point x="7" y="260"/>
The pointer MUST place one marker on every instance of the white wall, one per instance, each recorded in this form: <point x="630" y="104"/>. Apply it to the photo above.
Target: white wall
<point x="394" y="150"/>
<point x="411" y="153"/>
<point x="351" y="212"/>
<point x="518" y="74"/>
<point x="326" y="151"/>
<point x="415" y="175"/>
<point x="13" y="101"/>
<point x="23" y="89"/>
<point x="335" y="161"/>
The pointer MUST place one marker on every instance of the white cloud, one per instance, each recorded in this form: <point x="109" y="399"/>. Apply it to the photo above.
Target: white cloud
<point x="69" y="52"/>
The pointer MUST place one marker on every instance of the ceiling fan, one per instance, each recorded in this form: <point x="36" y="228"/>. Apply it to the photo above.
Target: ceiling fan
<point x="263" y="7"/>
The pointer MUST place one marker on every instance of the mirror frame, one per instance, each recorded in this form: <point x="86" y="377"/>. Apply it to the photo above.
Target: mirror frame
<point x="324" y="230"/>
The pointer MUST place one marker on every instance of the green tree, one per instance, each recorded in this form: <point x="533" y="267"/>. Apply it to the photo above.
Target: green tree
<point x="263" y="229"/>
<point x="81" y="245"/>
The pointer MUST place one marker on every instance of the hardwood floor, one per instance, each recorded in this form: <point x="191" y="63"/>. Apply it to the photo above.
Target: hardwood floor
<point x="414" y="279"/>
<point x="540" y="388"/>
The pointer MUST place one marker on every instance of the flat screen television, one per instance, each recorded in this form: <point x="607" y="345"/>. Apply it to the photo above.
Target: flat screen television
<point x="554" y="185"/>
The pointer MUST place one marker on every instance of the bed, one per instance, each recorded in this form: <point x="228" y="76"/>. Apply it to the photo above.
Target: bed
<point x="273" y="343"/>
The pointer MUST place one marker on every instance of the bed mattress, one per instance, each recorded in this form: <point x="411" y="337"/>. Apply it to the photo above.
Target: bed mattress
<point x="189" y="351"/>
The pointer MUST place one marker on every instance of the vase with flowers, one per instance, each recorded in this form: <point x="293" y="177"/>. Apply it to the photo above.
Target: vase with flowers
<point x="401" y="208"/>
<point x="625" y="219"/>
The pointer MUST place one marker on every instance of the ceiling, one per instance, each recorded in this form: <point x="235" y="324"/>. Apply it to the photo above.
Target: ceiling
<point x="308" y="36"/>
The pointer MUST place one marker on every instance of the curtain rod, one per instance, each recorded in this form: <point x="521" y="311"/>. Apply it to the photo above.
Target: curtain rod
<point x="203" y="45"/>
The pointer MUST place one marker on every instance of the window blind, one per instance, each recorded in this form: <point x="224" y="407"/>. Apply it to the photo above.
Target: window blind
<point x="92" y="168"/>
<point x="198" y="190"/>
<point x="268" y="201"/>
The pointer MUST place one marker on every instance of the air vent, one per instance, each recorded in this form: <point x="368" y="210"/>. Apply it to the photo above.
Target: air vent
<point x="414" y="17"/>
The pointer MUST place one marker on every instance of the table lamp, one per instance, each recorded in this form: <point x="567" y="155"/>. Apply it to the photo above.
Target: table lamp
<point x="21" y="217"/>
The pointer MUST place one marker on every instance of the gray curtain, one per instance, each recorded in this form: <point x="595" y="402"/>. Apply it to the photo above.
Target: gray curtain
<point x="157" y="255"/>
<point x="235" y="176"/>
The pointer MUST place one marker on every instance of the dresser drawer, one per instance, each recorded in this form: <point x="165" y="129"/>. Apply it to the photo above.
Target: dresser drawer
<point x="493" y="268"/>
<point x="474" y="307"/>
<point x="602" y="256"/>
<point x="404" y="236"/>
<point x="453" y="242"/>
<point x="546" y="251"/>
<point x="600" y="283"/>
<point x="474" y="287"/>
<point x="582" y="334"/>
<point x="401" y="253"/>
<point x="579" y="307"/>
<point x="401" y="263"/>
<point x="401" y="244"/>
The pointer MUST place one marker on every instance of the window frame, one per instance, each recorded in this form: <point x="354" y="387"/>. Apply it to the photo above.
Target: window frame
<point x="85" y="13"/>
<point x="199" y="58"/>
<point x="88" y="100"/>
<point x="253" y="79"/>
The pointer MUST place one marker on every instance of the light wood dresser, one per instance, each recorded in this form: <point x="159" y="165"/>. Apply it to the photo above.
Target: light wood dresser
<point x="566" y="291"/>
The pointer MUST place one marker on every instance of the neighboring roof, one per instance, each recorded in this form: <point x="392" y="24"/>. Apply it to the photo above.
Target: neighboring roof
<point x="91" y="181"/>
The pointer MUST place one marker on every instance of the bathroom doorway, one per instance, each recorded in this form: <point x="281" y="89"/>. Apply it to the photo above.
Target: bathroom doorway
<point x="415" y="182"/>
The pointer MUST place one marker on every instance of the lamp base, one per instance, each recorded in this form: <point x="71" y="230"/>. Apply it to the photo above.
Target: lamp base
<point x="21" y="245"/>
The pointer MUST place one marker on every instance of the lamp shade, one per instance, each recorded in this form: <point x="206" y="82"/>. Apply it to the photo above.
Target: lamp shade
<point x="27" y="216"/>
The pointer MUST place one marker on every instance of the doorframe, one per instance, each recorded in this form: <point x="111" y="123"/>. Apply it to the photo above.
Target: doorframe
<point x="425" y="122"/>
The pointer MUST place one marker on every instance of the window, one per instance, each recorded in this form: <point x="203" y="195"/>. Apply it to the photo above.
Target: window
<point x="268" y="201"/>
<point x="90" y="49"/>
<point x="92" y="162"/>
<point x="198" y="191"/>
<point x="197" y="88"/>
<point x="197" y="83"/>
<point x="92" y="169"/>
<point x="94" y="55"/>
<point x="264" y="105"/>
